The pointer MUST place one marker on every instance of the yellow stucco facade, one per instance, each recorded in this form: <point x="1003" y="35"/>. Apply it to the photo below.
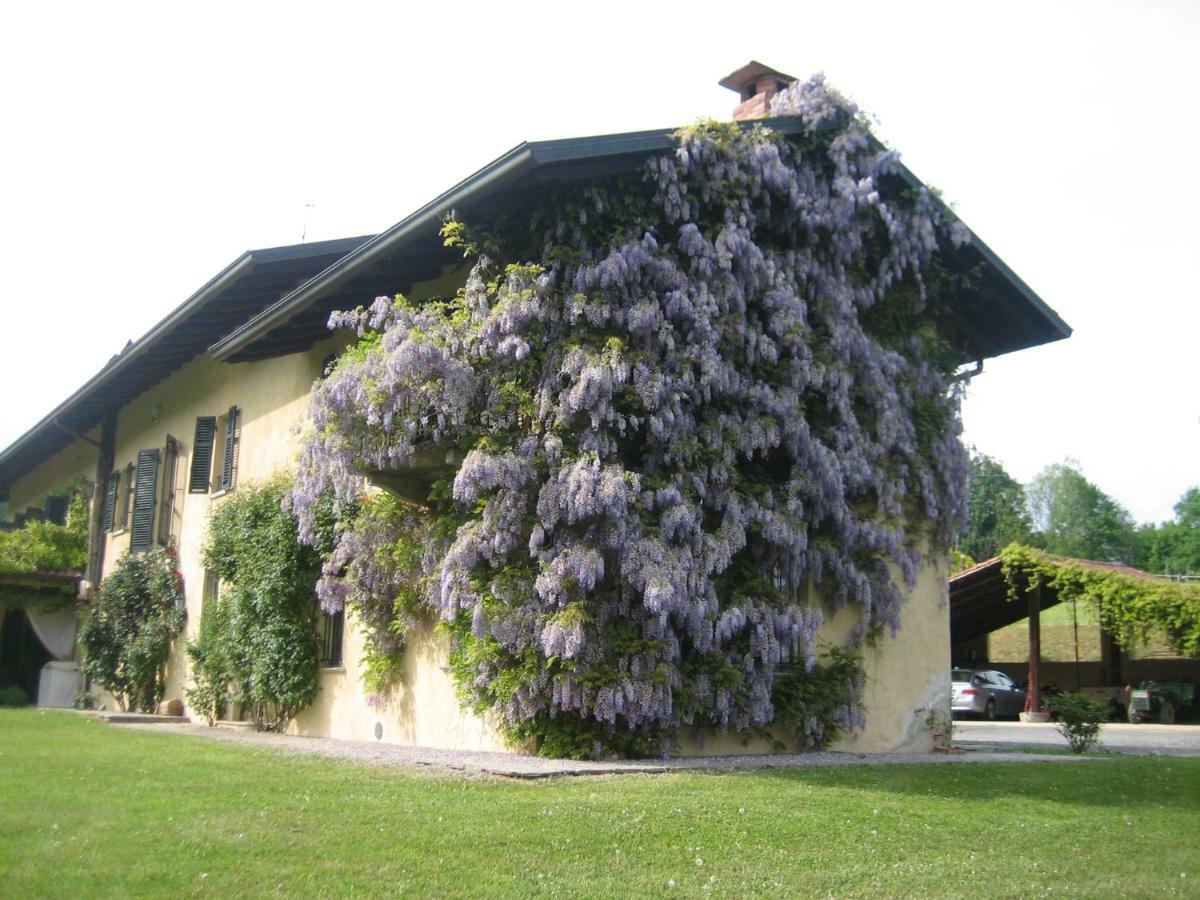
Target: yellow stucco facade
<point x="906" y="692"/>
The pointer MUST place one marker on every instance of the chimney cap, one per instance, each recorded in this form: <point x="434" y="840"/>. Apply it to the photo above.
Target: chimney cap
<point x="739" y="80"/>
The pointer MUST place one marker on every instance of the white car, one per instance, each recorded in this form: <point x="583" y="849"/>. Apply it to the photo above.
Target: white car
<point x="985" y="693"/>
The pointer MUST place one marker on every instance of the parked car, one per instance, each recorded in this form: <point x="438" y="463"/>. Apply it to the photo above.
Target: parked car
<point x="985" y="693"/>
<point x="1162" y="701"/>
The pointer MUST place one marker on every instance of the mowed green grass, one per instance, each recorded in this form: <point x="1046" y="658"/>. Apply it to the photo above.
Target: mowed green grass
<point x="90" y="809"/>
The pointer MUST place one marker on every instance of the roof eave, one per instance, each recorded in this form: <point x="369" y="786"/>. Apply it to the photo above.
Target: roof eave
<point x="239" y="268"/>
<point x="432" y="212"/>
<point x="1058" y="328"/>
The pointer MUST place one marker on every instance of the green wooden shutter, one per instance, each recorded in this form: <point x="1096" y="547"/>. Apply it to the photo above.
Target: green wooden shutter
<point x="230" y="449"/>
<point x="202" y="453"/>
<point x="143" y="501"/>
<point x="110" y="500"/>
<point x="125" y="499"/>
<point x="167" y="508"/>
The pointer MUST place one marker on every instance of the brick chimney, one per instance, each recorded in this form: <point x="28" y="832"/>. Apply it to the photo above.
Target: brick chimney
<point x="756" y="84"/>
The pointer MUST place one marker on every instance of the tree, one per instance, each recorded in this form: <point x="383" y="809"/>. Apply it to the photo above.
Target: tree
<point x="997" y="514"/>
<point x="1173" y="547"/>
<point x="258" y="646"/>
<point x="127" y="633"/>
<point x="1077" y="519"/>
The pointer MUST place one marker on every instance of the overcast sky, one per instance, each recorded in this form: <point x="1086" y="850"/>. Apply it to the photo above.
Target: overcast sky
<point x="146" y="146"/>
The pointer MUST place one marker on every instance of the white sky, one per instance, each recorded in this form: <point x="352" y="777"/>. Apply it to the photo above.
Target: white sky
<point x="145" y="146"/>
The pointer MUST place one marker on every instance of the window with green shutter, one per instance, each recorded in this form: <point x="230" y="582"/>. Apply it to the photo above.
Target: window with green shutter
<point x="166" y="512"/>
<point x="110" y="500"/>
<point x="229" y="459"/>
<point x="144" y="495"/>
<point x="200" y="476"/>
<point x="125" y="500"/>
<point x="330" y="627"/>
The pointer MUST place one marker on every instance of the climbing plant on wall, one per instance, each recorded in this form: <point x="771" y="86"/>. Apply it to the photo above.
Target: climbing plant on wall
<point x="258" y="646"/>
<point x="127" y="630"/>
<point x="45" y="546"/>
<point x="696" y="413"/>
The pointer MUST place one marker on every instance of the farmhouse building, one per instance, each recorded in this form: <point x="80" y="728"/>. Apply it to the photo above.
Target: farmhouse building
<point x="215" y="397"/>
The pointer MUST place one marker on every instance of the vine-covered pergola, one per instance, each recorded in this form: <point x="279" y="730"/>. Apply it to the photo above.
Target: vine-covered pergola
<point x="1133" y="606"/>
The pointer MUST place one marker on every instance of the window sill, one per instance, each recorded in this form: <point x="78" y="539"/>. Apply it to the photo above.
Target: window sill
<point x="217" y="495"/>
<point x="331" y="670"/>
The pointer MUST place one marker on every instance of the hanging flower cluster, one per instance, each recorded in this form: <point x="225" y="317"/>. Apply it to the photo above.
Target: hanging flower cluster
<point x="715" y="396"/>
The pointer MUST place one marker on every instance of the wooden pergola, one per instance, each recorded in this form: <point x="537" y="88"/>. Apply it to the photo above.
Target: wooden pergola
<point x="981" y="602"/>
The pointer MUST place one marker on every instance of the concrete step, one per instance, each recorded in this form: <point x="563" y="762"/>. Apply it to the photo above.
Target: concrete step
<point x="127" y="718"/>
<point x="235" y="726"/>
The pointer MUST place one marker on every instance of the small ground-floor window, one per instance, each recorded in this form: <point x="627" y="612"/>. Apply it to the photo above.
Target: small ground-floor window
<point x="329" y="631"/>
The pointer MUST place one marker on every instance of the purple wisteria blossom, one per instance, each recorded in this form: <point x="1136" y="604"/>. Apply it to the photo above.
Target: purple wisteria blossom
<point x="684" y="441"/>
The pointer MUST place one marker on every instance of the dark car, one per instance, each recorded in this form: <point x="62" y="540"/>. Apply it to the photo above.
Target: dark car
<point x="985" y="693"/>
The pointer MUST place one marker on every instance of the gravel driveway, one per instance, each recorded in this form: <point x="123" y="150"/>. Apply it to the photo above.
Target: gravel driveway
<point x="1164" y="740"/>
<point x="520" y="765"/>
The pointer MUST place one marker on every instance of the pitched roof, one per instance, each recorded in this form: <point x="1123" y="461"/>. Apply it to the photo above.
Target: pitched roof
<point x="237" y="292"/>
<point x="276" y="301"/>
<point x="998" y="315"/>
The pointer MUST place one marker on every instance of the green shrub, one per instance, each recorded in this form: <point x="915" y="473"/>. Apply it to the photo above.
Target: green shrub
<point x="1079" y="720"/>
<point x="14" y="696"/>
<point x="213" y="671"/>
<point x="127" y="633"/>
<point x="258" y="645"/>
<point x="45" y="546"/>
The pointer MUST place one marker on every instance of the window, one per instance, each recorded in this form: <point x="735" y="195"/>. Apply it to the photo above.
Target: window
<point x="212" y="592"/>
<point x="166" y="512"/>
<point x="200" y="477"/>
<point x="227" y="476"/>
<point x="329" y="632"/>
<point x="125" y="501"/>
<point x="144" y="494"/>
<point x="55" y="509"/>
<point x="110" y="500"/>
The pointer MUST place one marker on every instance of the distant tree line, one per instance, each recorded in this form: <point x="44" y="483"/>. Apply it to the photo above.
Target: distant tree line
<point x="1062" y="512"/>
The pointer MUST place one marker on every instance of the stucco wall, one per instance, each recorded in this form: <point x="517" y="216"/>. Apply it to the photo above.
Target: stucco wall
<point x="907" y="692"/>
<point x="77" y="458"/>
<point x="272" y="399"/>
<point x="907" y="688"/>
<point x="422" y="710"/>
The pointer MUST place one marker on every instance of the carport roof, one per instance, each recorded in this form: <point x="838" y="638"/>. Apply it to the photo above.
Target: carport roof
<point x="980" y="603"/>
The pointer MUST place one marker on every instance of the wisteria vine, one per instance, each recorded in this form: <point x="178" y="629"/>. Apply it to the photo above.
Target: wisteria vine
<point x="710" y="398"/>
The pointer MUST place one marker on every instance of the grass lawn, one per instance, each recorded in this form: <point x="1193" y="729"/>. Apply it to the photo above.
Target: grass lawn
<point x="87" y="808"/>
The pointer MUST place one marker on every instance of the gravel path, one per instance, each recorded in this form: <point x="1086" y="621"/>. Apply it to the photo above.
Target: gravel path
<point x="1154" y="740"/>
<point x="521" y="765"/>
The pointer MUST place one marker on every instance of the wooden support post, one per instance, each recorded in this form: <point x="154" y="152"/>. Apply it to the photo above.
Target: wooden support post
<point x="1033" y="699"/>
